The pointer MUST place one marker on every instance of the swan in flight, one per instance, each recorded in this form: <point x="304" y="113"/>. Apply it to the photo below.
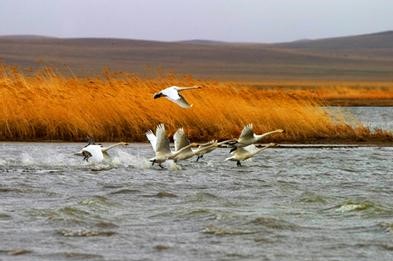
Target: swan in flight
<point x="188" y="150"/>
<point x="248" y="137"/>
<point x="243" y="153"/>
<point x="205" y="148"/>
<point x="173" y="94"/>
<point x="96" y="152"/>
<point x="160" y="144"/>
<point x="182" y="143"/>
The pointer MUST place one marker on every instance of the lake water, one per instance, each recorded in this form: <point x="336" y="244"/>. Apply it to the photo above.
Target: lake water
<point x="285" y="204"/>
<point x="372" y="117"/>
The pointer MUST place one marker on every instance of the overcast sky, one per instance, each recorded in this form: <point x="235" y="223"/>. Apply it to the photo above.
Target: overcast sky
<point x="170" y="20"/>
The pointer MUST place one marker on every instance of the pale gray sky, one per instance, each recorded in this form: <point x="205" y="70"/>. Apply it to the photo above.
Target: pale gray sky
<point x="170" y="20"/>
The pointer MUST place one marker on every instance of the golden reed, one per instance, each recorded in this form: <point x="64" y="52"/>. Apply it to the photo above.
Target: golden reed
<point x="45" y="105"/>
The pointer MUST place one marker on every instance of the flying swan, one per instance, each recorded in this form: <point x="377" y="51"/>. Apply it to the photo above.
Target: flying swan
<point x="173" y="94"/>
<point x="248" y="137"/>
<point x="247" y="152"/>
<point x="182" y="143"/>
<point x="205" y="148"/>
<point x="96" y="152"/>
<point x="160" y="145"/>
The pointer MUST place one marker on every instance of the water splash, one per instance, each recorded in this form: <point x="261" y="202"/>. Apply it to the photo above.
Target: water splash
<point x="124" y="159"/>
<point x="27" y="159"/>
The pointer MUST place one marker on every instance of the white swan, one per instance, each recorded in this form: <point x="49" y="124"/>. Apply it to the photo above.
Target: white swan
<point x="160" y="145"/>
<point x="247" y="152"/>
<point x="172" y="94"/>
<point x="248" y="137"/>
<point x="96" y="152"/>
<point x="205" y="148"/>
<point x="182" y="143"/>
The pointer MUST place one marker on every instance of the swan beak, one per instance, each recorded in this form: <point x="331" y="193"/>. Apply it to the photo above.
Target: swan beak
<point x="157" y="95"/>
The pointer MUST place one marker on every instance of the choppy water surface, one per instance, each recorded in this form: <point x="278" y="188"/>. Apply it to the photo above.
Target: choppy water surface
<point x="285" y="204"/>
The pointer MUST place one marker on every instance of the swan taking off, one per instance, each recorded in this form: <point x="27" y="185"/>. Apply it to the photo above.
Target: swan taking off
<point x="182" y="143"/>
<point x="247" y="152"/>
<point x="248" y="137"/>
<point x="185" y="150"/>
<point x="205" y="148"/>
<point x="96" y="152"/>
<point x="173" y="94"/>
<point x="160" y="145"/>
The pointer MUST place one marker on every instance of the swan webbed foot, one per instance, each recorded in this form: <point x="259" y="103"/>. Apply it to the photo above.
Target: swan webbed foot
<point x="238" y="163"/>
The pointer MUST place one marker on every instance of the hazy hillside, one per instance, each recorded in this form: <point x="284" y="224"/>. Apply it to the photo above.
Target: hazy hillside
<point x="380" y="40"/>
<point x="363" y="57"/>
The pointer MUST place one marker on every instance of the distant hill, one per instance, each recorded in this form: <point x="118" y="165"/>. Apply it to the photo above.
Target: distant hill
<point x="361" y="57"/>
<point x="25" y="37"/>
<point x="366" y="41"/>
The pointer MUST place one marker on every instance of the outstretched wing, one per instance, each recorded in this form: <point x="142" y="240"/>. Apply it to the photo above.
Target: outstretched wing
<point x="162" y="140"/>
<point x="95" y="152"/>
<point x="152" y="138"/>
<point x="173" y="95"/>
<point x="180" y="139"/>
<point x="247" y="132"/>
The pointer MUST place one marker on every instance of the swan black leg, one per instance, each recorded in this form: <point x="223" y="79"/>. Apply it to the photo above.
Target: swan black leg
<point x="152" y="162"/>
<point x="199" y="157"/>
<point x="161" y="165"/>
<point x="238" y="163"/>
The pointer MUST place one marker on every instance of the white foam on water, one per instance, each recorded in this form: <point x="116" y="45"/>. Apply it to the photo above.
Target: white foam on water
<point x="48" y="158"/>
<point x="3" y="162"/>
<point x="171" y="165"/>
<point x="124" y="159"/>
<point x="27" y="159"/>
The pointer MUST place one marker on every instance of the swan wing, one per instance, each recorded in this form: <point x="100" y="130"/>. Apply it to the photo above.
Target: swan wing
<point x="152" y="139"/>
<point x="162" y="144"/>
<point x="173" y="95"/>
<point x="181" y="102"/>
<point x="247" y="132"/>
<point x="95" y="152"/>
<point x="180" y="139"/>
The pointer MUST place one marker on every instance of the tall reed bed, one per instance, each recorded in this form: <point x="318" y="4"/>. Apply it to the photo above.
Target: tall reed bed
<point x="120" y="106"/>
<point x="330" y="90"/>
